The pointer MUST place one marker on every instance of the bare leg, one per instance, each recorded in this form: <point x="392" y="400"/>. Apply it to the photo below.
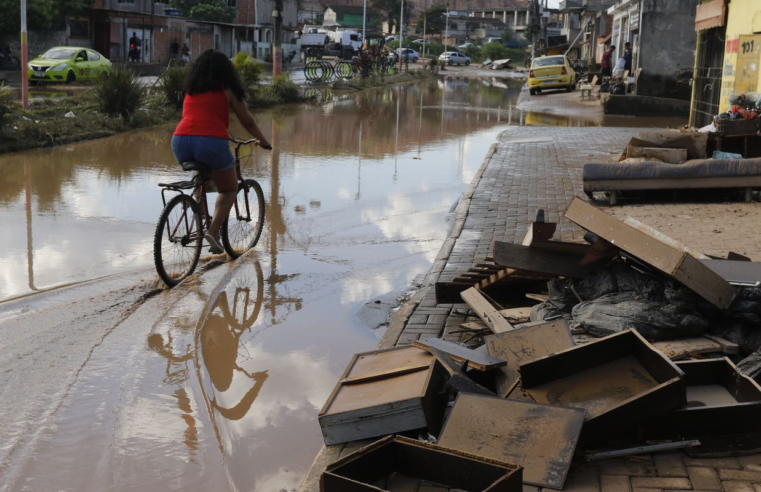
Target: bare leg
<point x="227" y="186"/>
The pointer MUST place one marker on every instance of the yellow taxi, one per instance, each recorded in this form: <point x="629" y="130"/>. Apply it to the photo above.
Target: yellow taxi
<point x="551" y="72"/>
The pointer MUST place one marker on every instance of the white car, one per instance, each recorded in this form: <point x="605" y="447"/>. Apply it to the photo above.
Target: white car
<point x="465" y="46"/>
<point x="408" y="54"/>
<point x="421" y="41"/>
<point x="392" y="38"/>
<point x="453" y="57"/>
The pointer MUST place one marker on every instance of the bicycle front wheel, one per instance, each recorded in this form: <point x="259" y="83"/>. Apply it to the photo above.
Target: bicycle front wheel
<point x="243" y="226"/>
<point x="177" y="242"/>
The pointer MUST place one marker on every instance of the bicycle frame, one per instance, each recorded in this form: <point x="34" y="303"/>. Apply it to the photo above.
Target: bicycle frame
<point x="200" y="184"/>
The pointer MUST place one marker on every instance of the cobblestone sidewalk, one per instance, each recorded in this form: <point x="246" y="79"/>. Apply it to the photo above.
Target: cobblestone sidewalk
<point x="534" y="168"/>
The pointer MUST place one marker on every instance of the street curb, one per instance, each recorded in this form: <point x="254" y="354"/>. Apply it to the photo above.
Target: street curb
<point x="329" y="454"/>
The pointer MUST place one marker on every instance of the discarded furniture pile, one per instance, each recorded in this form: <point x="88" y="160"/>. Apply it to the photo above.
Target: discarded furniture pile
<point x="671" y="161"/>
<point x="573" y="353"/>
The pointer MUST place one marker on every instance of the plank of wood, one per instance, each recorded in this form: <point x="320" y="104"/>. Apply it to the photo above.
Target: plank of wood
<point x="476" y="360"/>
<point x="458" y="380"/>
<point x="727" y="347"/>
<point x="386" y="373"/>
<point x="517" y="315"/>
<point x="523" y="345"/>
<point x="536" y="259"/>
<point x="486" y="311"/>
<point x="538" y="297"/>
<point x="681" y="349"/>
<point x="474" y="325"/>
<point x="675" y="263"/>
<point x="539" y="232"/>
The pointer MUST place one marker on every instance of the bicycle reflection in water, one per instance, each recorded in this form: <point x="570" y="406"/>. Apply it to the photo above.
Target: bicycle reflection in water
<point x="222" y="353"/>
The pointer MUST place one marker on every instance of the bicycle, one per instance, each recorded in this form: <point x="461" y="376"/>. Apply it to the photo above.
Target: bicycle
<point x="178" y="239"/>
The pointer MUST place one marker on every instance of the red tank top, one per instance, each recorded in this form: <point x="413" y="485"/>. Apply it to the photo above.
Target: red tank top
<point x="205" y="114"/>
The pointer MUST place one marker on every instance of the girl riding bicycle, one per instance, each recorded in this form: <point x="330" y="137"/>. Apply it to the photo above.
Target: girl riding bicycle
<point x="211" y="89"/>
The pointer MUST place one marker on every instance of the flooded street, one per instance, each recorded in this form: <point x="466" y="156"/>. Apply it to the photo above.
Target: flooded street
<point x="216" y="384"/>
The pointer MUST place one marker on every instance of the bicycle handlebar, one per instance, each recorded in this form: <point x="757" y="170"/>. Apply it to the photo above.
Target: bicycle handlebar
<point x="238" y="141"/>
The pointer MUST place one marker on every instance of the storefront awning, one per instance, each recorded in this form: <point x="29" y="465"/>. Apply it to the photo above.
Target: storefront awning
<point x="710" y="14"/>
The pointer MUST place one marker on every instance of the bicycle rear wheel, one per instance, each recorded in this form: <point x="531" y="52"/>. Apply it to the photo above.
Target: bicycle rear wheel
<point x="177" y="241"/>
<point x="243" y="226"/>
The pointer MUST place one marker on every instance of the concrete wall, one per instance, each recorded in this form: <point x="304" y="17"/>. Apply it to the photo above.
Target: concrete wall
<point x="40" y="42"/>
<point x="667" y="48"/>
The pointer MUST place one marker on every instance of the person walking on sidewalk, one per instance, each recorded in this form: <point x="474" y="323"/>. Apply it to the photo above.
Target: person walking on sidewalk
<point x="628" y="57"/>
<point x="607" y="62"/>
<point x="211" y="88"/>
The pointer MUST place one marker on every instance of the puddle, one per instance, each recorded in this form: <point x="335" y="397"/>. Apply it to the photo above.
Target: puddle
<point x="215" y="385"/>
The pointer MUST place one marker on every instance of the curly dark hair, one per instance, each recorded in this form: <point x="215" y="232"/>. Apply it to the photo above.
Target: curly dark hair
<point x="213" y="71"/>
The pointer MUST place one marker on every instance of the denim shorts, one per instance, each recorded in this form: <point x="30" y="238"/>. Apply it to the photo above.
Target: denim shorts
<point x="212" y="151"/>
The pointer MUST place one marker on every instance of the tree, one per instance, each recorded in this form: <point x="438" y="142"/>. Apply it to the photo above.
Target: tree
<point x="507" y="35"/>
<point x="207" y="10"/>
<point x="435" y="20"/>
<point x="41" y="14"/>
<point x="391" y="8"/>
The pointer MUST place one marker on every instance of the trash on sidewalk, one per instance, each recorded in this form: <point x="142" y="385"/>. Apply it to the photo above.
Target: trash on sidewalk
<point x="384" y="392"/>
<point x="720" y="401"/>
<point x="559" y="259"/>
<point x="651" y="448"/>
<point x="685" y="347"/>
<point x="486" y="311"/>
<point x="478" y="361"/>
<point x="671" y="156"/>
<point x="500" y="64"/>
<point x="540" y="438"/>
<point x="679" y="265"/>
<point x="458" y="381"/>
<point x="372" y="467"/>
<point x="619" y="380"/>
<point x="524" y="345"/>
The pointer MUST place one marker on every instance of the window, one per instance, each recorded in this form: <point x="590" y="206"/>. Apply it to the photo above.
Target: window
<point x="82" y="54"/>
<point x="93" y="56"/>
<point x="232" y="3"/>
<point x="522" y="18"/>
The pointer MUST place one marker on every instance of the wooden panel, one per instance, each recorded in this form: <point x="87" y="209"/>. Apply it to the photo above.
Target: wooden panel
<point x="534" y="259"/>
<point x="524" y="345"/>
<point x="679" y="349"/>
<point x="674" y="263"/>
<point x="486" y="311"/>
<point x="540" y="438"/>
<point x="476" y="360"/>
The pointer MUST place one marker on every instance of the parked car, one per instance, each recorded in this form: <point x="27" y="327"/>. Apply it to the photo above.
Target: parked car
<point x="551" y="72"/>
<point x="494" y="40"/>
<point x="453" y="57"/>
<point x="408" y="54"/>
<point x="465" y="46"/>
<point x="392" y="38"/>
<point x="421" y="41"/>
<point x="67" y="63"/>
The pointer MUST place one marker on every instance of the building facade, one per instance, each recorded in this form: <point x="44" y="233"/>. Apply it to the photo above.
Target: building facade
<point x="349" y="16"/>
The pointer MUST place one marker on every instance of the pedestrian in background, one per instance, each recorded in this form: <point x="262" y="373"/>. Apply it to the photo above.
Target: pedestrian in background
<point x="628" y="57"/>
<point x="175" y="48"/>
<point x="607" y="62"/>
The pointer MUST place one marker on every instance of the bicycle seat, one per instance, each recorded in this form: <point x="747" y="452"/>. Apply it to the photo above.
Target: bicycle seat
<point x="195" y="166"/>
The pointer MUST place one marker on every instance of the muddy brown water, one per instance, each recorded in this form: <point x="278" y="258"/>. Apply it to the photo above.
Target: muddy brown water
<point x="216" y="384"/>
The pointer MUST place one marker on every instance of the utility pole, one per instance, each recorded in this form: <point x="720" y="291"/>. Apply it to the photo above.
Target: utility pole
<point x="401" y="36"/>
<point x="446" y="31"/>
<point x="24" y="59"/>
<point x="277" y="63"/>
<point x="153" y="8"/>
<point x="364" y="21"/>
<point x="425" y="18"/>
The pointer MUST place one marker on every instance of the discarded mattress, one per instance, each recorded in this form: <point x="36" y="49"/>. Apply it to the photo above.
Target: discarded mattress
<point x="697" y="173"/>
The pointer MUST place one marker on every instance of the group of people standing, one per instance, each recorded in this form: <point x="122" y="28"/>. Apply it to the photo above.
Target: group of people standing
<point x="623" y="64"/>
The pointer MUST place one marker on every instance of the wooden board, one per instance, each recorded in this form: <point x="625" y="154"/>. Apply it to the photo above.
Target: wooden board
<point x="727" y="347"/>
<point x="524" y="345"/>
<point x="675" y="263"/>
<point x="476" y="360"/>
<point x="486" y="311"/>
<point x="536" y="259"/>
<point x="597" y="389"/>
<point x="519" y="315"/>
<point x="682" y="348"/>
<point x="541" y="438"/>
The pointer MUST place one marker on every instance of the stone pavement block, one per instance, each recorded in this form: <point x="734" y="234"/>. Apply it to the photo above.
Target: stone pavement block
<point x="614" y="483"/>
<point x="418" y="319"/>
<point x="640" y="489"/>
<point x="625" y="467"/>
<point x="670" y="465"/>
<point x="582" y="479"/>
<point x="751" y="463"/>
<point x="740" y="475"/>
<point x="408" y="338"/>
<point x="728" y="463"/>
<point x="704" y="478"/>
<point x="731" y="486"/>
<point x="661" y="483"/>
<point x="437" y="319"/>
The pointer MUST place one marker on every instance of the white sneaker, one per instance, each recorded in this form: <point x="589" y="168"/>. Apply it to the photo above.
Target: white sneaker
<point x="214" y="246"/>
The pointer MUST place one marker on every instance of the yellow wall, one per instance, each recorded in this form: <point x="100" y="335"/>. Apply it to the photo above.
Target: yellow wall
<point x="743" y="19"/>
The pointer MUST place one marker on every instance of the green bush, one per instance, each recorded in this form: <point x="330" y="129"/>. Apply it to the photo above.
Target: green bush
<point x="249" y="70"/>
<point x="284" y="89"/>
<point x="474" y="52"/>
<point x="119" y="94"/>
<point x="172" y="85"/>
<point x="494" y="51"/>
<point x="7" y="103"/>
